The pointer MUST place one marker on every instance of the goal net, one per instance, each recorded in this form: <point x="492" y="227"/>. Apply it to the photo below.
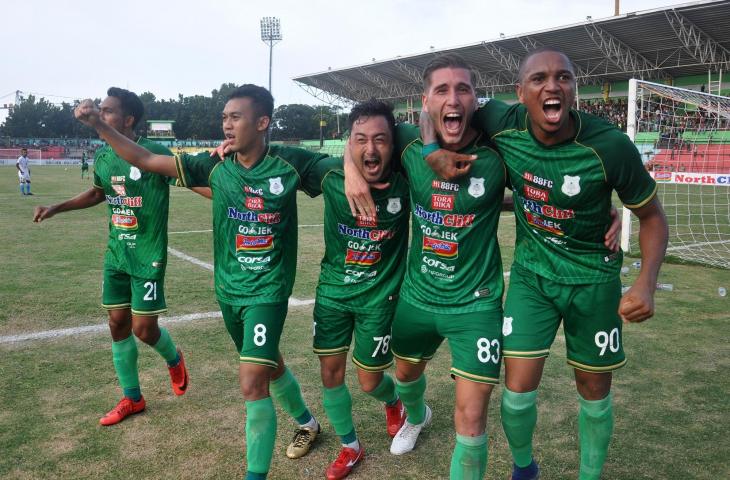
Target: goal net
<point x="14" y="153"/>
<point x="684" y="140"/>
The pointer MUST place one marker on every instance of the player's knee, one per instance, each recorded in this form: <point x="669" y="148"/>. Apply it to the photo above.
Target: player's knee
<point x="369" y="381"/>
<point x="593" y="387"/>
<point x="254" y="387"/>
<point x="148" y="333"/>
<point x="332" y="376"/>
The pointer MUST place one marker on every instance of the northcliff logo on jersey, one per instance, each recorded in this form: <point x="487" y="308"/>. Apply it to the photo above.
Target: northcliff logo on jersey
<point x="441" y="185"/>
<point x="268" y="218"/>
<point x="535" y="193"/>
<point x="364" y="233"/>
<point x="366" y="221"/>
<point x="571" y="185"/>
<point x="543" y="182"/>
<point x="255" y="203"/>
<point x="135" y="202"/>
<point x="442" y="202"/>
<point x="253" y="191"/>
<point x="134" y="173"/>
<point x="254" y="243"/>
<point x="394" y="205"/>
<point x="355" y="257"/>
<point x="543" y="224"/>
<point x="476" y="187"/>
<point x="125" y="222"/>
<point x="448" y="220"/>
<point x="275" y="185"/>
<point x="442" y="248"/>
<point x="547" y="210"/>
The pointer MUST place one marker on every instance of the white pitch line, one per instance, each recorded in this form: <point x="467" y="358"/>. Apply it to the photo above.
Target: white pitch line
<point x="67" y="332"/>
<point x="294" y="302"/>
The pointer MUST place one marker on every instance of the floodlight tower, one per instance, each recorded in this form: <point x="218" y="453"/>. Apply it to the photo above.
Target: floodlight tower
<point x="270" y="35"/>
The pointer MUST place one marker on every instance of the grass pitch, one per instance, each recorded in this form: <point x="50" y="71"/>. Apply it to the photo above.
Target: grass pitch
<point x="671" y="400"/>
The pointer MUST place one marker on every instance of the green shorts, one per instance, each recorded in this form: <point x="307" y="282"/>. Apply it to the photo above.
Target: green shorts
<point x="256" y="330"/>
<point x="121" y="290"/>
<point x="535" y="306"/>
<point x="333" y="333"/>
<point x="474" y="338"/>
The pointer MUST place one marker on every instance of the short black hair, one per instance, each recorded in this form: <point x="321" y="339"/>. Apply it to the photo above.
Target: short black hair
<point x="447" y="60"/>
<point x="130" y="103"/>
<point x="372" y="108"/>
<point x="538" y="51"/>
<point x="261" y="99"/>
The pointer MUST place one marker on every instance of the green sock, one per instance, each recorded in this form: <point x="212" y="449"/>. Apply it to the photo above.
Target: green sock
<point x="260" y="435"/>
<point x="288" y="394"/>
<point x="338" y="407"/>
<point x="166" y="347"/>
<point x="124" y="356"/>
<point x="385" y="391"/>
<point x="469" y="460"/>
<point x="411" y="394"/>
<point x="595" y="425"/>
<point x="519" y="416"/>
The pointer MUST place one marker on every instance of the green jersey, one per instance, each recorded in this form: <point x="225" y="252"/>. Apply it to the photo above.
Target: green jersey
<point x="454" y="264"/>
<point x="364" y="259"/>
<point x="138" y="205"/>
<point x="254" y="219"/>
<point x="562" y="193"/>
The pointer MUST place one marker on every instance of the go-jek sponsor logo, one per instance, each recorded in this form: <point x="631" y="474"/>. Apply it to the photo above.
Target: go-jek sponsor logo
<point x="253" y="243"/>
<point x="355" y="257"/>
<point x="126" y="222"/>
<point x="543" y="224"/>
<point x="364" y="233"/>
<point x="271" y="217"/>
<point x="547" y="210"/>
<point x="126" y="201"/>
<point x="442" y="248"/>
<point x="447" y="220"/>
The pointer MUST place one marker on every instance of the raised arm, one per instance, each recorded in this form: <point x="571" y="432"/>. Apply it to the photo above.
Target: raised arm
<point x="637" y="304"/>
<point x="89" y="198"/>
<point x="87" y="113"/>
<point x="357" y="190"/>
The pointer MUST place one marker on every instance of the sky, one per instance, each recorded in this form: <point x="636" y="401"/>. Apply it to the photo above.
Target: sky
<point x="71" y="49"/>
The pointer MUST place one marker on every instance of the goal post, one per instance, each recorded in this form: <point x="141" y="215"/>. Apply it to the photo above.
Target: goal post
<point x="683" y="137"/>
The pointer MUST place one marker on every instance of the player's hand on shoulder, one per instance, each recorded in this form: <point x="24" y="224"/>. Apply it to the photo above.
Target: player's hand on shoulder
<point x="41" y="213"/>
<point x="223" y="149"/>
<point x="637" y="304"/>
<point x="87" y="113"/>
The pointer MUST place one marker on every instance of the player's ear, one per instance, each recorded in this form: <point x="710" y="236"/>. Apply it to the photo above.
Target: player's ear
<point x="128" y="121"/>
<point x="263" y="123"/>
<point x="518" y="90"/>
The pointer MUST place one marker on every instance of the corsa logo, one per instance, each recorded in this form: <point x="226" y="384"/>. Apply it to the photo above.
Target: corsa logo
<point x="126" y="222"/>
<point x="355" y="257"/>
<point x="250" y="243"/>
<point x="254" y="203"/>
<point x="442" y="248"/>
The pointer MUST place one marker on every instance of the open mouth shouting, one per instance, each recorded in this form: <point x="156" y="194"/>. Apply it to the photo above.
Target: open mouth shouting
<point x="453" y="123"/>
<point x="553" y="108"/>
<point x="371" y="167"/>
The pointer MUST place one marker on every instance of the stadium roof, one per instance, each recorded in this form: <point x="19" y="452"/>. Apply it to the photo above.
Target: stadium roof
<point x="678" y="41"/>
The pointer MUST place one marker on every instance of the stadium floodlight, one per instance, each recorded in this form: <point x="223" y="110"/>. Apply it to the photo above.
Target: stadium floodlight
<point x="270" y="35"/>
